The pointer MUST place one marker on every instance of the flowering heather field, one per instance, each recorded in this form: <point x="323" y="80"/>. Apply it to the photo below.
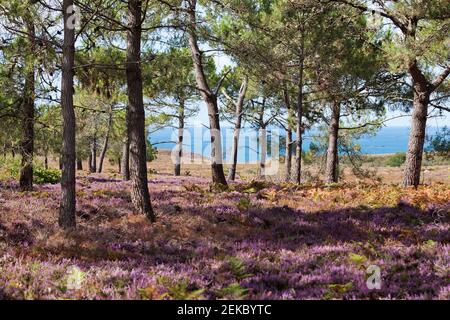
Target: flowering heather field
<point x="254" y="241"/>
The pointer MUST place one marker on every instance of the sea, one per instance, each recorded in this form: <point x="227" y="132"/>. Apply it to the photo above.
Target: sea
<point x="386" y="140"/>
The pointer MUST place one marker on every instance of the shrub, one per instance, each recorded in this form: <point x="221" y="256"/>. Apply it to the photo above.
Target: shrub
<point x="10" y="168"/>
<point x="440" y="142"/>
<point x="42" y="176"/>
<point x="396" y="160"/>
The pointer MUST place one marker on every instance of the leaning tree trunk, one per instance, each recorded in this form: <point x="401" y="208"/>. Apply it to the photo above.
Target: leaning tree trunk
<point x="416" y="142"/>
<point x="105" y="143"/>
<point x="68" y="201"/>
<point x="27" y="143"/>
<point x="331" y="170"/>
<point x="209" y="97"/>
<point x="237" y="129"/>
<point x="234" y="151"/>
<point x="140" y="196"/>
<point x="179" y="153"/>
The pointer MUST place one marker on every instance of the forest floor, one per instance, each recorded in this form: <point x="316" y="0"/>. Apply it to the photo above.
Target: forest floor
<point x="256" y="240"/>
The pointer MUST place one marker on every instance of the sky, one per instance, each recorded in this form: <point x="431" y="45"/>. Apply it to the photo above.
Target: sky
<point x="222" y="60"/>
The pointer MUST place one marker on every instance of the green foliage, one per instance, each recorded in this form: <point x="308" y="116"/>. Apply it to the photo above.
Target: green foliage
<point x="396" y="160"/>
<point x="180" y="290"/>
<point x="336" y="291"/>
<point x="237" y="268"/>
<point x="357" y="258"/>
<point x="42" y="175"/>
<point x="10" y="168"/>
<point x="233" y="291"/>
<point x="439" y="143"/>
<point x="152" y="152"/>
<point x="243" y="204"/>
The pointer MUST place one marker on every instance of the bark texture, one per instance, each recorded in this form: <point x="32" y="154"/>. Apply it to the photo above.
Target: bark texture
<point x="299" y="128"/>
<point x="125" y="170"/>
<point x="179" y="154"/>
<point x="27" y="143"/>
<point x="208" y="95"/>
<point x="239" y="105"/>
<point x="79" y="164"/>
<point x="413" y="164"/>
<point x="67" y="206"/>
<point x="93" y="155"/>
<point x="106" y="141"/>
<point x="331" y="170"/>
<point x="288" y="152"/>
<point x="135" y="113"/>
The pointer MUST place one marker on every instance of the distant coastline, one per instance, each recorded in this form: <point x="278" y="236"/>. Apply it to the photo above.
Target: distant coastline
<point x="388" y="140"/>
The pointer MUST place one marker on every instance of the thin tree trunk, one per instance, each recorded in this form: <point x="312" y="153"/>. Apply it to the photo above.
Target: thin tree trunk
<point x="331" y="171"/>
<point x="90" y="161"/>
<point x="68" y="201"/>
<point x="288" y="156"/>
<point x="119" y="164"/>
<point x="140" y="196"/>
<point x="126" y="159"/>
<point x="263" y="148"/>
<point x="79" y="164"/>
<point x="299" y="129"/>
<point x="93" y="155"/>
<point x="209" y="97"/>
<point x="27" y="143"/>
<point x="105" y="144"/>
<point x="179" y="154"/>
<point x="239" y="104"/>
<point x="288" y="152"/>
<point x="46" y="161"/>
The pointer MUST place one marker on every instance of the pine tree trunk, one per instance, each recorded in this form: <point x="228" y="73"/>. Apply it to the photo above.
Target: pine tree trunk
<point x="288" y="156"/>
<point x="299" y="132"/>
<point x="140" y="196"/>
<point x="416" y="142"/>
<point x="331" y="170"/>
<point x="263" y="148"/>
<point x="46" y="161"/>
<point x="105" y="144"/>
<point x="79" y="164"/>
<point x="288" y="152"/>
<point x="68" y="201"/>
<point x="299" y="128"/>
<point x="126" y="160"/>
<point x="237" y="129"/>
<point x="93" y="156"/>
<point x="27" y="143"/>
<point x="234" y="152"/>
<point x="179" y="153"/>
<point x="209" y="97"/>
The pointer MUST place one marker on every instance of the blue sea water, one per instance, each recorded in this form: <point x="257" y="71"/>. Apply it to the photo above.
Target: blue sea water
<point x="197" y="140"/>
